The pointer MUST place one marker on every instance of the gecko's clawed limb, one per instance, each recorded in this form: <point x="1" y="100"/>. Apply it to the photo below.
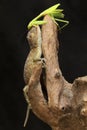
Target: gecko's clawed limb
<point x="42" y="60"/>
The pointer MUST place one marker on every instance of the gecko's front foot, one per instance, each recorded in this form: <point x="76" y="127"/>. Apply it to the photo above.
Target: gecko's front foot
<point x="42" y="60"/>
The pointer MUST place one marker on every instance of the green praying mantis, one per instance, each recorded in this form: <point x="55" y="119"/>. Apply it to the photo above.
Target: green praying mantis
<point x="56" y="14"/>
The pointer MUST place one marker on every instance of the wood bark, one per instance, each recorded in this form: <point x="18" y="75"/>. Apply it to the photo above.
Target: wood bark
<point x="64" y="107"/>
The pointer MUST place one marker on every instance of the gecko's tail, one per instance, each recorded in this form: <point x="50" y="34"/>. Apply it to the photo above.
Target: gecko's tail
<point x="27" y="115"/>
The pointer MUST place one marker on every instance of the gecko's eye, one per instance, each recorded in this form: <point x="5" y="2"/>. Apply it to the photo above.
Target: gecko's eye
<point x="31" y="36"/>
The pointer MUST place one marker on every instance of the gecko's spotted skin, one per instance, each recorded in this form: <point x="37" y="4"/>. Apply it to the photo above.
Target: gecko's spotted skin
<point x="34" y="40"/>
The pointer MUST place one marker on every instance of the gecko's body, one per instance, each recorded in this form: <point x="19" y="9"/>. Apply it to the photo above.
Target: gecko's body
<point x="34" y="39"/>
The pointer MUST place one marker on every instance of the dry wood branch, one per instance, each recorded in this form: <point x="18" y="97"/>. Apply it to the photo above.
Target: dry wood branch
<point x="50" y="44"/>
<point x="66" y="107"/>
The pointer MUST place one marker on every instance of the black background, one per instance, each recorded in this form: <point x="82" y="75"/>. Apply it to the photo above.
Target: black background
<point x="14" y="17"/>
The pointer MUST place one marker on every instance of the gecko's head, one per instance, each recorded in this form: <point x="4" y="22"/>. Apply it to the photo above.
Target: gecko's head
<point x="33" y="36"/>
